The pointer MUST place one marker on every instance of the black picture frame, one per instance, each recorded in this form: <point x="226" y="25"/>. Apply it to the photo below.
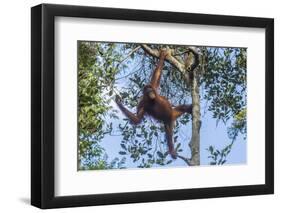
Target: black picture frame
<point x="43" y="102"/>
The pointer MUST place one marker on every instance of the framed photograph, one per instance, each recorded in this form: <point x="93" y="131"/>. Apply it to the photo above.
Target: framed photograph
<point x="140" y="106"/>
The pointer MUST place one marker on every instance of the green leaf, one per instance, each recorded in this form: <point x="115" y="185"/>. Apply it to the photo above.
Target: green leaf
<point x="122" y="153"/>
<point x="123" y="146"/>
<point x="160" y="154"/>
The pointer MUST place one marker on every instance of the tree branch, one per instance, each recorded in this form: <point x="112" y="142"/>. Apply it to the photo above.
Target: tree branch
<point x="134" y="50"/>
<point x="172" y="60"/>
<point x="150" y="51"/>
<point x="186" y="160"/>
<point x="195" y="59"/>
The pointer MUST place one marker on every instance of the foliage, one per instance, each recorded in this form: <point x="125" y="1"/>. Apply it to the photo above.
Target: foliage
<point x="239" y="125"/>
<point x="96" y="74"/>
<point x="219" y="157"/>
<point x="104" y="71"/>
<point x="224" y="82"/>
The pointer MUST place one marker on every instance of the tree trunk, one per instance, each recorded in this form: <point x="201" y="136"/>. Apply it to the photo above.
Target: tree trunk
<point x="194" y="144"/>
